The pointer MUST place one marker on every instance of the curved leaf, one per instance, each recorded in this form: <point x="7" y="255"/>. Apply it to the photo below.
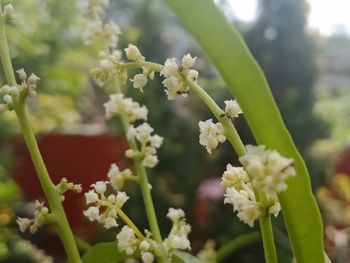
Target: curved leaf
<point x="183" y="257"/>
<point x="228" y="52"/>
<point x="106" y="252"/>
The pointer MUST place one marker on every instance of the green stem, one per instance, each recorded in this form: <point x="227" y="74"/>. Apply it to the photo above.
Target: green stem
<point x="48" y="186"/>
<point x="142" y="179"/>
<point x="129" y="222"/>
<point x="268" y="239"/>
<point x="146" y="195"/>
<point x="236" y="244"/>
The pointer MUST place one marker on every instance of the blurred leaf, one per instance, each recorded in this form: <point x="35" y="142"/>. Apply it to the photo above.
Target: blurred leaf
<point x="226" y="49"/>
<point x="106" y="252"/>
<point x="8" y="192"/>
<point x="183" y="257"/>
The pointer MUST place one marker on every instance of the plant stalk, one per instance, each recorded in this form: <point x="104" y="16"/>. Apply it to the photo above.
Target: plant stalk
<point x="53" y="198"/>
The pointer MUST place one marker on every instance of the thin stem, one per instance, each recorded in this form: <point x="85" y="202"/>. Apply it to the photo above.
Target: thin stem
<point x="146" y="195"/>
<point x="129" y="222"/>
<point x="236" y="244"/>
<point x="48" y="186"/>
<point x="145" y="190"/>
<point x="268" y="239"/>
<point x="53" y="198"/>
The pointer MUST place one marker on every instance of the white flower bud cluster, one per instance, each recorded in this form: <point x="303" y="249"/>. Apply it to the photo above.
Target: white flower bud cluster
<point x="27" y="84"/>
<point x="178" y="236"/>
<point x="269" y="170"/>
<point x="104" y="208"/>
<point x="126" y="107"/>
<point x="129" y="243"/>
<point x="96" y="30"/>
<point x="64" y="186"/>
<point x="7" y="92"/>
<point x="211" y="134"/>
<point x="149" y="144"/>
<point x="239" y="193"/>
<point x="117" y="178"/>
<point x="173" y="81"/>
<point x="139" y="80"/>
<point x="41" y="214"/>
<point x="9" y="12"/>
<point x="107" y="69"/>
<point x="34" y="253"/>
<point x="232" y="108"/>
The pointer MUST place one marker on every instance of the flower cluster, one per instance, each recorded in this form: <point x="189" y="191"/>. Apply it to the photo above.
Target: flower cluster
<point x="117" y="178"/>
<point x="9" y="12"/>
<point x="64" y="186"/>
<point x="27" y="87"/>
<point x="96" y="29"/>
<point x="232" y="109"/>
<point x="139" y="80"/>
<point x="149" y="144"/>
<point x="239" y="193"/>
<point x="41" y="215"/>
<point x="208" y="254"/>
<point x="130" y="243"/>
<point x="126" y="107"/>
<point x="268" y="169"/>
<point x="36" y="254"/>
<point x="211" y="134"/>
<point x="178" y="236"/>
<point x="174" y="75"/>
<point x="106" y="68"/>
<point x="104" y="208"/>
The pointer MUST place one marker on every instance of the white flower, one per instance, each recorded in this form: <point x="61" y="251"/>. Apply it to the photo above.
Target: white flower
<point x="175" y="214"/>
<point x="232" y="108"/>
<point x="275" y="208"/>
<point x="170" y="68"/>
<point x="111" y="32"/>
<point x="234" y="177"/>
<point x="127" y="240"/>
<point x="147" y="257"/>
<point x="188" y="61"/>
<point x="145" y="245"/>
<point x="91" y="197"/>
<point x="150" y="160"/>
<point x="118" y="105"/>
<point x="268" y="169"/>
<point x="24" y="223"/>
<point x="244" y="203"/>
<point x="22" y="75"/>
<point x="211" y="134"/>
<point x="180" y="242"/>
<point x="100" y="187"/>
<point x="139" y="81"/>
<point x="93" y="30"/>
<point x="9" y="12"/>
<point x="133" y="53"/>
<point x="110" y="222"/>
<point x="117" y="177"/>
<point x="121" y="198"/>
<point x="92" y="213"/>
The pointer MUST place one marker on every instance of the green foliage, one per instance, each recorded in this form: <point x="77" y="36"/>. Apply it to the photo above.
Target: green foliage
<point x="183" y="257"/>
<point x="106" y="252"/>
<point x="236" y="65"/>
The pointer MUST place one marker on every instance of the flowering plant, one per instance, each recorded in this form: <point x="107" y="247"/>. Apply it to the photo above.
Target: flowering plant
<point x="257" y="190"/>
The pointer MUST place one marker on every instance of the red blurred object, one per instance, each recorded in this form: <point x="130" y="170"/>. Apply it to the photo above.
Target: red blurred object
<point x="80" y="159"/>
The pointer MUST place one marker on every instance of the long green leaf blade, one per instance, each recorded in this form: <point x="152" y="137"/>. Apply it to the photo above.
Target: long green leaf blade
<point x="228" y="52"/>
<point x="106" y="252"/>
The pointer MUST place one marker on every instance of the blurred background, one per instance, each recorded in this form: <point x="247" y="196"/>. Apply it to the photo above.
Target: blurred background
<point x="302" y="46"/>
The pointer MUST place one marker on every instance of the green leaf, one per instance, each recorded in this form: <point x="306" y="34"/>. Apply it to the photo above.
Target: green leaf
<point x="106" y="252"/>
<point x="228" y="52"/>
<point x="183" y="257"/>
